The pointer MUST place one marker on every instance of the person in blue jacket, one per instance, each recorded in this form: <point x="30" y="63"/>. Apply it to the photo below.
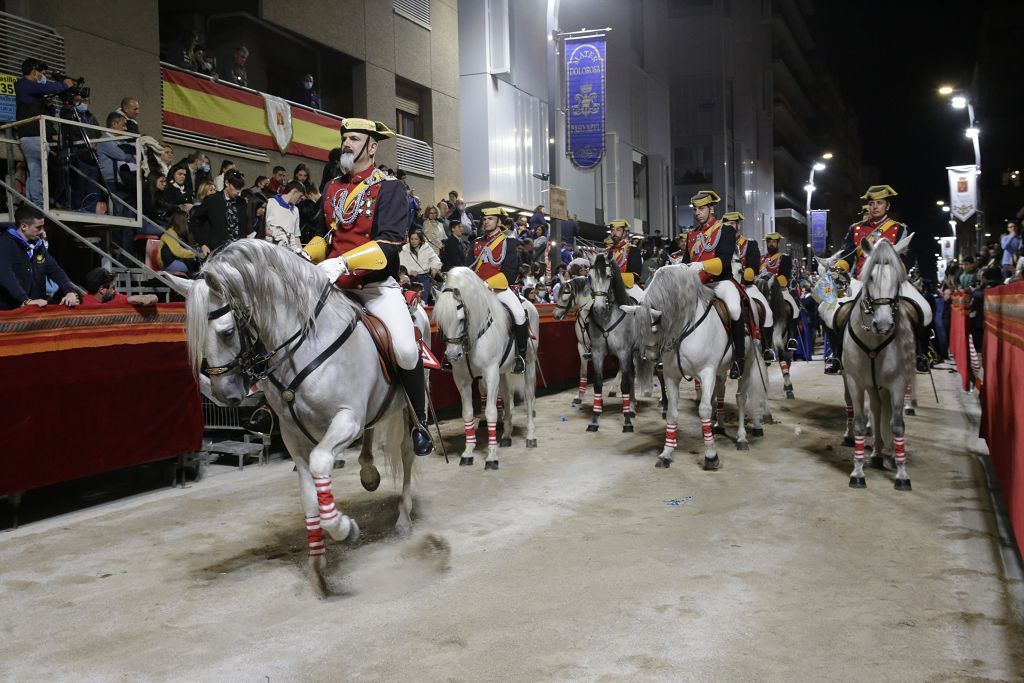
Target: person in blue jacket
<point x="25" y="264"/>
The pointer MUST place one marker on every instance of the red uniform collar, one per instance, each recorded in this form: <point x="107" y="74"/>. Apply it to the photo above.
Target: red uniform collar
<point x="872" y="224"/>
<point x="359" y="177"/>
<point x="623" y="243"/>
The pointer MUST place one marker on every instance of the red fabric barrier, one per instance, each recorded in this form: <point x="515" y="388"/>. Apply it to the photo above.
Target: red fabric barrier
<point x="90" y="390"/>
<point x="959" y="328"/>
<point x="1003" y="360"/>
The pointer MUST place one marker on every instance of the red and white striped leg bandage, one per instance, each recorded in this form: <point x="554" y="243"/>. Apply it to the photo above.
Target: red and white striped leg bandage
<point x="785" y="367"/>
<point x="705" y="429"/>
<point x="325" y="499"/>
<point x="470" y="428"/>
<point x="907" y="394"/>
<point x="583" y="385"/>
<point x="720" y="404"/>
<point x="899" y="449"/>
<point x="849" y="416"/>
<point x="696" y="383"/>
<point x="314" y="536"/>
<point x="670" y="437"/>
<point x="858" y="448"/>
<point x="625" y="404"/>
<point x="492" y="433"/>
<point x="499" y="403"/>
<point x="598" y="403"/>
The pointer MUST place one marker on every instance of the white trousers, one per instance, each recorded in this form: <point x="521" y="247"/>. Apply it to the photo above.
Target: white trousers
<point x="385" y="300"/>
<point x="635" y="293"/>
<point x="907" y="291"/>
<point x="509" y="298"/>
<point x="726" y="291"/>
<point x="755" y="294"/>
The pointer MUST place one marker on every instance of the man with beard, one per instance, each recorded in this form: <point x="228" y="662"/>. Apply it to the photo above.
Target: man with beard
<point x="366" y="213"/>
<point x="780" y="266"/>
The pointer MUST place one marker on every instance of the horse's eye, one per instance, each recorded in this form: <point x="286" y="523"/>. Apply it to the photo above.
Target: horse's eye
<point x="228" y="333"/>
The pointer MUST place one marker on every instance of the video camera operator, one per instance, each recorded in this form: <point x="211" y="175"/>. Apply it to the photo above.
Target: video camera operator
<point x="31" y="92"/>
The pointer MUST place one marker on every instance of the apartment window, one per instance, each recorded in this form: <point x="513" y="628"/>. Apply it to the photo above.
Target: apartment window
<point x="409" y="125"/>
<point x="409" y="110"/>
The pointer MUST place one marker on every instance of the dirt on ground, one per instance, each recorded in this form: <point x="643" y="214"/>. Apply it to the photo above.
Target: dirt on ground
<point x="575" y="561"/>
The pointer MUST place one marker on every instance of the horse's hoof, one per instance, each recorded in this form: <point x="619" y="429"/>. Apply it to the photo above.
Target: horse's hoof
<point x="506" y="442"/>
<point x="663" y="463"/>
<point x="877" y="462"/>
<point x="718" y="429"/>
<point x="742" y="446"/>
<point x="591" y="428"/>
<point x="576" y="401"/>
<point x="909" y="411"/>
<point x="491" y="465"/>
<point x="902" y="485"/>
<point x="712" y="464"/>
<point x="848" y="441"/>
<point x="372" y="480"/>
<point x="531" y="443"/>
<point x="858" y="483"/>
<point x="757" y="431"/>
<point x="627" y="429"/>
<point x="790" y="395"/>
<point x="465" y="462"/>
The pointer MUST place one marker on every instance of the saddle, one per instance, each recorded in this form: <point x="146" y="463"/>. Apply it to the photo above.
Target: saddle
<point x="382" y="340"/>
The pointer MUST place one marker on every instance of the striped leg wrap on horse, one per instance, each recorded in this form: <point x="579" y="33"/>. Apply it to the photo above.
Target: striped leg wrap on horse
<point x="598" y="403"/>
<point x="705" y="428"/>
<point x="907" y="394"/>
<point x="499" y="402"/>
<point x="720" y="406"/>
<point x="785" y="367"/>
<point x="858" y="448"/>
<point x="470" y="428"/>
<point x="899" y="449"/>
<point x="583" y="385"/>
<point x="625" y="404"/>
<point x="492" y="433"/>
<point x="325" y="498"/>
<point x="670" y="436"/>
<point x="314" y="536"/>
<point x="849" y="417"/>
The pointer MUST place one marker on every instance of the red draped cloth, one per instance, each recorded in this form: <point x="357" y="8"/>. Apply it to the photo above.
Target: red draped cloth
<point x="1003" y="361"/>
<point x="959" y="328"/>
<point x="89" y="390"/>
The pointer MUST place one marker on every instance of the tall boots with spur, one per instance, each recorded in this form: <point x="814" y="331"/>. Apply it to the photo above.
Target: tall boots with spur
<point x="416" y="388"/>
<point x="738" y="349"/>
<point x="522" y="333"/>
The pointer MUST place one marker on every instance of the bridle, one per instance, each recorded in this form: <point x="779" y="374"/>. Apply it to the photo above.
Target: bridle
<point x="463" y="339"/>
<point x="868" y="305"/>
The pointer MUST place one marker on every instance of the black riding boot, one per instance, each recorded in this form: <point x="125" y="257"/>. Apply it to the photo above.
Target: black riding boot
<point x="924" y="341"/>
<point x="791" y="344"/>
<point x="415" y="387"/>
<point x="767" y="336"/>
<point x="522" y="333"/>
<point x="738" y="350"/>
<point x="834" y="363"/>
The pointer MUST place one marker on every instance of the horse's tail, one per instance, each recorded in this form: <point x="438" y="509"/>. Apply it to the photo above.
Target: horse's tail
<point x="390" y="437"/>
<point x="533" y="323"/>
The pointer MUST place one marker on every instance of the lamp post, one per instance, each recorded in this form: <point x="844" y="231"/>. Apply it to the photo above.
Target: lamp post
<point x="961" y="100"/>
<point x="818" y="165"/>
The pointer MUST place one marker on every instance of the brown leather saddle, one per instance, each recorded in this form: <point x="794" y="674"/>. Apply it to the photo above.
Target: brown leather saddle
<point x="751" y="329"/>
<point x="382" y="340"/>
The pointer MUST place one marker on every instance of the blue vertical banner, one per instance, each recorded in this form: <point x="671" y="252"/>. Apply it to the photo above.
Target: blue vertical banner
<point x="819" y="230"/>
<point x="585" y="102"/>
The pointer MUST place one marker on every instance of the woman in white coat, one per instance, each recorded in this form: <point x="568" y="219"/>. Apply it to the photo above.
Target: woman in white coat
<point x="421" y="262"/>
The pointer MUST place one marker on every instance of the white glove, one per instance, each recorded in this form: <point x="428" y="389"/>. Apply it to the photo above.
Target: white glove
<point x="334" y="268"/>
<point x="698" y="265"/>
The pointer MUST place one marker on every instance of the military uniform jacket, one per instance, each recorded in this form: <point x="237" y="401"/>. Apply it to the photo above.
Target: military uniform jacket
<point x="887" y="228"/>
<point x="495" y="255"/>
<point x="627" y="259"/>
<point x="713" y="245"/>
<point x="749" y="253"/>
<point x="778" y="264"/>
<point x="364" y="207"/>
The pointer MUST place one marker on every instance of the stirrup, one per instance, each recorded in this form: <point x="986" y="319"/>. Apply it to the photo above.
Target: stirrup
<point x="769" y="355"/>
<point x="736" y="371"/>
<point x="422" y="444"/>
<point x="923" y="364"/>
<point x="791" y="345"/>
<point x="587" y="355"/>
<point x="519" y="366"/>
<point x="833" y="366"/>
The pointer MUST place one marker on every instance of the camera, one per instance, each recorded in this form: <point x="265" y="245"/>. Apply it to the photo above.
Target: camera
<point x="79" y="89"/>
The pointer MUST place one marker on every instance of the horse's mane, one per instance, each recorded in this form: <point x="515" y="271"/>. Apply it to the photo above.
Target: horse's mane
<point x="476" y="297"/>
<point x="674" y="290"/>
<point x="772" y="292"/>
<point x="605" y="267"/>
<point x="275" y="287"/>
<point x="883" y="253"/>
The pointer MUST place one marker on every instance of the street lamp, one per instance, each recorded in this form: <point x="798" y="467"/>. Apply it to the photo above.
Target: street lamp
<point x="818" y="165"/>
<point x="972" y="133"/>
<point x="960" y="100"/>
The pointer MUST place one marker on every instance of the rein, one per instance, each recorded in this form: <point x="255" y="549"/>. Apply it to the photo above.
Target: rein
<point x="869" y="306"/>
<point x="690" y="330"/>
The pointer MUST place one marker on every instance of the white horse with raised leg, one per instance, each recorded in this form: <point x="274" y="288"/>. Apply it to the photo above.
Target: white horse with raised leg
<point x="479" y="344"/>
<point x="264" y="314"/>
<point x="878" y="359"/>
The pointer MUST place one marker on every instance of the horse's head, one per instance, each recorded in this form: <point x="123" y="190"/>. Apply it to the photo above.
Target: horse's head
<point x="649" y="332"/>
<point x="453" y="323"/>
<point x="883" y="274"/>
<point x="217" y="344"/>
<point x="568" y="296"/>
<point x="600" y="276"/>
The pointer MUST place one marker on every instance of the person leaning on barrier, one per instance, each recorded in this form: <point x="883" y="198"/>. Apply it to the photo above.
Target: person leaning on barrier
<point x="101" y="291"/>
<point x="25" y="263"/>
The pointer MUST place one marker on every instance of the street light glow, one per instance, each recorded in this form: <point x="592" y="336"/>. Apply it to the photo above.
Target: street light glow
<point x="809" y="188"/>
<point x="826" y="156"/>
<point x="946" y="90"/>
<point x="959" y="102"/>
<point x="939" y="202"/>
<point x="972" y="132"/>
<point x="945" y="209"/>
<point x="819" y="166"/>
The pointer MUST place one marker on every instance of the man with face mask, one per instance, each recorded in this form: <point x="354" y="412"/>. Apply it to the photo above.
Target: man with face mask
<point x="31" y="91"/>
<point x="366" y="213"/>
<point x="710" y="246"/>
<point x="626" y="258"/>
<point x="877" y="226"/>
<point x="308" y="94"/>
<point x="496" y="262"/>
<point x="780" y="266"/>
<point x="748" y="255"/>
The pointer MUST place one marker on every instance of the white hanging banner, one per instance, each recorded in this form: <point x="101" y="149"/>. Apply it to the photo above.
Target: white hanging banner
<point x="279" y="120"/>
<point x="963" y="191"/>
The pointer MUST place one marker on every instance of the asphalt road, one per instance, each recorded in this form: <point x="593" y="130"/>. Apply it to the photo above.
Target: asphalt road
<point x="575" y="561"/>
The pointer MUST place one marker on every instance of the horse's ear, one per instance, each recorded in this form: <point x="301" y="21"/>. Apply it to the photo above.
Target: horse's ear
<point x="655" y="315"/>
<point x="865" y="246"/>
<point x="181" y="285"/>
<point x="629" y="308"/>
<point x="902" y="245"/>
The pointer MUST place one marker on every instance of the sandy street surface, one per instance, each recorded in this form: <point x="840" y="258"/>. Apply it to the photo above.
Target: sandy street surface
<point x="566" y="564"/>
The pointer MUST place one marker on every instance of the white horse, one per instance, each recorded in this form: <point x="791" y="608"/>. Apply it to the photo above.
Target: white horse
<point x="780" y="332"/>
<point x="480" y="344"/>
<point x="680" y="326"/>
<point x="878" y="358"/>
<point x="261" y="313"/>
<point x="574" y="295"/>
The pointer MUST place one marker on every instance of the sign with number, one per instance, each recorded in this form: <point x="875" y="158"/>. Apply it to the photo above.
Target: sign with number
<point x="8" y="103"/>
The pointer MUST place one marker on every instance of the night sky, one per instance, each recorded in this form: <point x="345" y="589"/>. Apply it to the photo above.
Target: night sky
<point x="889" y="60"/>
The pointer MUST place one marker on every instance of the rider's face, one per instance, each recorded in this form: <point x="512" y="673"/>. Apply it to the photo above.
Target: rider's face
<point x="489" y="223"/>
<point x="877" y="208"/>
<point x="702" y="213"/>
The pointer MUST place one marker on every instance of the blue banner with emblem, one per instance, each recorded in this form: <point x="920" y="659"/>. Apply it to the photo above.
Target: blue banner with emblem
<point x="585" y="102"/>
<point x="819" y="230"/>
